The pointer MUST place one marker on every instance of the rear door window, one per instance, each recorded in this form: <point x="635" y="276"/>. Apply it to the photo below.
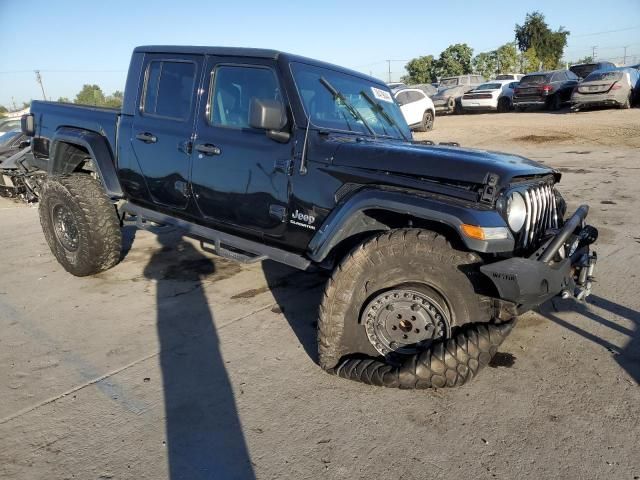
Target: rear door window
<point x="169" y="88"/>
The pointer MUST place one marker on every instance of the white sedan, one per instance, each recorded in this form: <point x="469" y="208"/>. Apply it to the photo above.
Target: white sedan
<point x="495" y="95"/>
<point x="416" y="107"/>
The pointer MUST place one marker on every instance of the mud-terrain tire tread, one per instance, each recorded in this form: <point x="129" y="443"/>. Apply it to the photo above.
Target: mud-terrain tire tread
<point x="336" y="302"/>
<point x="100" y="241"/>
<point x="449" y="363"/>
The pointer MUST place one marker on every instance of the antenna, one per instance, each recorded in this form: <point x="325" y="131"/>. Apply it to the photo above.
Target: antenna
<point x="303" y="157"/>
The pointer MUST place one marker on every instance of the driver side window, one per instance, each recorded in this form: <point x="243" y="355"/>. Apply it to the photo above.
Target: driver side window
<point x="233" y="88"/>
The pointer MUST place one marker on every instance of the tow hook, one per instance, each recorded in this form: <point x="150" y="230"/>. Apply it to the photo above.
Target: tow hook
<point x="586" y="267"/>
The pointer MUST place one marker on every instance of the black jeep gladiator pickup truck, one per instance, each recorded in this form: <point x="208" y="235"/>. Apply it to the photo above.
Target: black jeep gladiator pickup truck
<point x="434" y="250"/>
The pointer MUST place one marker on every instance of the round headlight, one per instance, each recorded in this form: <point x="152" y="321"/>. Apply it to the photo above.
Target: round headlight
<point x="516" y="211"/>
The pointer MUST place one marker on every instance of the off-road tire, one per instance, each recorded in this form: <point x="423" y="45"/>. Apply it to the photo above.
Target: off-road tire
<point x="398" y="257"/>
<point x="99" y="239"/>
<point x="427" y="121"/>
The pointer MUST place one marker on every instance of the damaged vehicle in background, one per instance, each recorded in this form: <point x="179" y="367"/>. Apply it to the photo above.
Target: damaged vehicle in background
<point x="20" y="173"/>
<point x="491" y="96"/>
<point x="607" y="88"/>
<point x="550" y="90"/>
<point x="450" y="92"/>
<point x="583" y="70"/>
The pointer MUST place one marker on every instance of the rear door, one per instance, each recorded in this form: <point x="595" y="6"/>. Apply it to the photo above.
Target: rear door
<point x="163" y="125"/>
<point x="240" y="177"/>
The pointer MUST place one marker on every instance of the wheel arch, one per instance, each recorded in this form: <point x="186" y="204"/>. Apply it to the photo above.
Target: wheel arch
<point x="70" y="147"/>
<point x="373" y="210"/>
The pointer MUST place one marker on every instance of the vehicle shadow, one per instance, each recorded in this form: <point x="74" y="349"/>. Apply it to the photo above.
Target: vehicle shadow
<point x="298" y="295"/>
<point x="628" y="356"/>
<point x="204" y="437"/>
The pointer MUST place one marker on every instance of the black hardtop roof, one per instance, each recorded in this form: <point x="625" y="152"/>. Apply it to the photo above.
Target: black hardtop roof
<point x="546" y="72"/>
<point x="248" y="52"/>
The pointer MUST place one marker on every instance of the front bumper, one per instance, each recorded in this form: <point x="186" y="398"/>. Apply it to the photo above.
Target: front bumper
<point x="563" y="265"/>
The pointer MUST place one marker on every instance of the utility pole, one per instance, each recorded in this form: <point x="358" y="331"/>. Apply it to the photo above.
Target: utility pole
<point x="593" y="53"/>
<point x="624" y="61"/>
<point x="389" y="69"/>
<point x="39" y="80"/>
<point x="13" y="101"/>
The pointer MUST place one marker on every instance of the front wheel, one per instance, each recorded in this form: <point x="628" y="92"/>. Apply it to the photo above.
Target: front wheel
<point x="427" y="121"/>
<point x="395" y="295"/>
<point x="80" y="224"/>
<point x="504" y="105"/>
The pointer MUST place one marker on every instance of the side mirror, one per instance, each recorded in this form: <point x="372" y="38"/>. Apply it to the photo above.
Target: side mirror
<point x="269" y="115"/>
<point x="27" y="125"/>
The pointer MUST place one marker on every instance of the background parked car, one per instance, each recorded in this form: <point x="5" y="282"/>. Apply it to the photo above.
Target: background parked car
<point x="582" y="70"/>
<point x="491" y="96"/>
<point x="510" y="76"/>
<point x="450" y="92"/>
<point x="416" y="107"/>
<point x="8" y="124"/>
<point x="427" y="88"/>
<point x="549" y="89"/>
<point x="618" y="88"/>
<point x="393" y="85"/>
<point x="11" y="142"/>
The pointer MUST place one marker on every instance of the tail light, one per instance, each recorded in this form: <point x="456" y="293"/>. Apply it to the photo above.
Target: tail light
<point x="546" y="89"/>
<point x="616" y="86"/>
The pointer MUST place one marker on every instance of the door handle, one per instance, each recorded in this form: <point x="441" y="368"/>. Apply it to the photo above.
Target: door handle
<point x="147" y="137"/>
<point x="208" y="149"/>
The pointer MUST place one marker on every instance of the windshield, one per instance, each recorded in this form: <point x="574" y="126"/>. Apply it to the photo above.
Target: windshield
<point x="533" y="79"/>
<point x="363" y="107"/>
<point x="584" y="70"/>
<point x="489" y="86"/>
<point x="607" y="76"/>
<point x="449" y="82"/>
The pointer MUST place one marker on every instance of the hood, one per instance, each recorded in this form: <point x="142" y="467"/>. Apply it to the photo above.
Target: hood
<point x="447" y="164"/>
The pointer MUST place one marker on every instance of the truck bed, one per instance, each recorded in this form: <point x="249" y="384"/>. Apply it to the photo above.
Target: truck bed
<point x="50" y="116"/>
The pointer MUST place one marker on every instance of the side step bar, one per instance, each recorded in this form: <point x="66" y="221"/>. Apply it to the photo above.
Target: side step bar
<point x="224" y="244"/>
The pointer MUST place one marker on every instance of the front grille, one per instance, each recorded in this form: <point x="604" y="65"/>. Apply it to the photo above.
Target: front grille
<point x="542" y="213"/>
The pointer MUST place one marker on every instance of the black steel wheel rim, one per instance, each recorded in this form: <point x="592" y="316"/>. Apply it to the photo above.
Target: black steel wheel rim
<point x="404" y="321"/>
<point x="65" y="227"/>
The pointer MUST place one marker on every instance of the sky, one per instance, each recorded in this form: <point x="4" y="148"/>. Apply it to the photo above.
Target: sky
<point x="74" y="42"/>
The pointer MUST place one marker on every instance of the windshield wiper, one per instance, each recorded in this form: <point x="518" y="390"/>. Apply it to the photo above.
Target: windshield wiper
<point x="377" y="108"/>
<point x="339" y="96"/>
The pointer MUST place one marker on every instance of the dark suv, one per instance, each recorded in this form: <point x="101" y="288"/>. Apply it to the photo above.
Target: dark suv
<point x="547" y="89"/>
<point x="433" y="250"/>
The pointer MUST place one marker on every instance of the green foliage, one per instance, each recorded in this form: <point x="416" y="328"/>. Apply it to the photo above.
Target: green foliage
<point x="93" y="95"/>
<point x="535" y="33"/>
<point x="420" y="70"/>
<point x="587" y="59"/>
<point x="3" y="110"/>
<point x="530" y="61"/>
<point x="507" y="56"/>
<point x="454" y="60"/>
<point x="485" y="64"/>
<point x="64" y="100"/>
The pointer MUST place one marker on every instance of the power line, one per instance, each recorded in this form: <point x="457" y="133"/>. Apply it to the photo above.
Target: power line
<point x="606" y="31"/>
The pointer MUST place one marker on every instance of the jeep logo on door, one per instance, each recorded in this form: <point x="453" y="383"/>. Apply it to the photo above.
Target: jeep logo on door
<point x="303" y="220"/>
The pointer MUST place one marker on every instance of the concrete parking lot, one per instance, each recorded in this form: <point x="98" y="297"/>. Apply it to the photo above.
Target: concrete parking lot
<point x="178" y="364"/>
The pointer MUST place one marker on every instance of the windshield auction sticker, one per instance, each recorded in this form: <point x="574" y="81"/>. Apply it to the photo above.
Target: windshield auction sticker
<point x="381" y="95"/>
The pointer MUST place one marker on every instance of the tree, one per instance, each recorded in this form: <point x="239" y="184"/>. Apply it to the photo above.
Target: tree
<point x="454" y="60"/>
<point x="535" y="33"/>
<point x="90" y="95"/>
<point x="530" y="61"/>
<point x="420" y="70"/>
<point x="3" y="110"/>
<point x="64" y="100"/>
<point x="114" y="100"/>
<point x="507" y="58"/>
<point x="485" y="64"/>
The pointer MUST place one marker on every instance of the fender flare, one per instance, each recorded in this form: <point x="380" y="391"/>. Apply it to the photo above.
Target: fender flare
<point x="99" y="150"/>
<point x="350" y="218"/>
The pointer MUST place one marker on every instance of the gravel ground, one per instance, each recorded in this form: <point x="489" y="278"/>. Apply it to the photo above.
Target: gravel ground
<point x="176" y="364"/>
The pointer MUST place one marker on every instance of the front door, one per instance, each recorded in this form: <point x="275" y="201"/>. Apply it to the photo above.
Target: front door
<point x="240" y="177"/>
<point x="163" y="126"/>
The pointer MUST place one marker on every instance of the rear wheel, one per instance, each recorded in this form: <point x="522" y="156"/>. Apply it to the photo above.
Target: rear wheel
<point x="80" y="224"/>
<point x="459" y="110"/>
<point x="396" y="294"/>
<point x="427" y="121"/>
<point x="554" y="103"/>
<point x="504" y="105"/>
